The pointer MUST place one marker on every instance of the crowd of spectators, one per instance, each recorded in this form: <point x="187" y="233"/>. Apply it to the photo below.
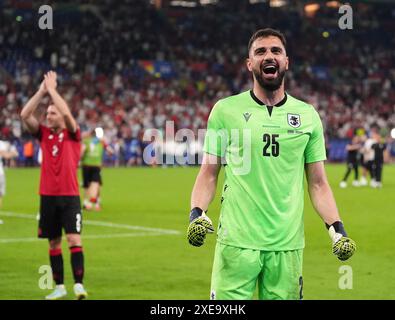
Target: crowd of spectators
<point x="106" y="54"/>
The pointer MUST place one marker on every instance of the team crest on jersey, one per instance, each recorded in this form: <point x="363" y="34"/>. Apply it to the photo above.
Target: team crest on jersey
<point x="294" y="120"/>
<point x="247" y="116"/>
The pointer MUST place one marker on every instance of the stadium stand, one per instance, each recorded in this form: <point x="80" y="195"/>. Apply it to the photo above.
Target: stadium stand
<point x="131" y="67"/>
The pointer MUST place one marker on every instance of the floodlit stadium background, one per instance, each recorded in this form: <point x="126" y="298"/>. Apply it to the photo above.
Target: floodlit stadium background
<point x="131" y="66"/>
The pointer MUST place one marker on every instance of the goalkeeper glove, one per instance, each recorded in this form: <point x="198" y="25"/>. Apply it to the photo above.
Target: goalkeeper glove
<point x="342" y="246"/>
<point x="199" y="226"/>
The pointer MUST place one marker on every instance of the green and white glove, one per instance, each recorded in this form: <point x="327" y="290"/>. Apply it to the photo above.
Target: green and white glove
<point x="199" y="226"/>
<point x="342" y="246"/>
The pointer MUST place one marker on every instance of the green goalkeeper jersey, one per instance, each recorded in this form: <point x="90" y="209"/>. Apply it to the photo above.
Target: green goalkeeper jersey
<point x="264" y="151"/>
<point x="94" y="150"/>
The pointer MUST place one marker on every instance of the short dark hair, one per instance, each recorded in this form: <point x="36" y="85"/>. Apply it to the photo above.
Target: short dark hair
<point x="264" y="33"/>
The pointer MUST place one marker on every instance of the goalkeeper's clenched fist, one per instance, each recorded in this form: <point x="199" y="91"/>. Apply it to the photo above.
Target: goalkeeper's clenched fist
<point x="199" y="226"/>
<point x="342" y="246"/>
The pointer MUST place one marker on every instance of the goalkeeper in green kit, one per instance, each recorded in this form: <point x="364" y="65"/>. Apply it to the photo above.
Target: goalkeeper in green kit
<point x="93" y="149"/>
<point x="266" y="140"/>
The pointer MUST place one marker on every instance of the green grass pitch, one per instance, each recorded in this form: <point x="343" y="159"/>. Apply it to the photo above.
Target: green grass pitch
<point x="136" y="247"/>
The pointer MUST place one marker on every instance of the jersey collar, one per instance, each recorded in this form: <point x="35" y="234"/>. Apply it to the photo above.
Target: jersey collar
<point x="269" y="108"/>
<point x="256" y="99"/>
<point x="54" y="132"/>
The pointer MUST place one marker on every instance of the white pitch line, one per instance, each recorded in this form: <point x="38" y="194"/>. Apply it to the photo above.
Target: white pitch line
<point x="96" y="223"/>
<point x="17" y="215"/>
<point x="92" y="236"/>
<point x="129" y="227"/>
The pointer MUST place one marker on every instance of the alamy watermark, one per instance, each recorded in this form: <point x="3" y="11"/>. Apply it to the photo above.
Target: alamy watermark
<point x="45" y="281"/>
<point x="185" y="147"/>
<point x="45" y="22"/>
<point x="346" y="20"/>
<point x="346" y="278"/>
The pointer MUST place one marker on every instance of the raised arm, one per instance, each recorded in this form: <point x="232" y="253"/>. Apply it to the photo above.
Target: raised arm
<point x="59" y="102"/>
<point x="27" y="112"/>
<point x="83" y="149"/>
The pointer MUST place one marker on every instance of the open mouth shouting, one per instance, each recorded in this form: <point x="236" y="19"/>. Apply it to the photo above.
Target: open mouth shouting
<point x="269" y="70"/>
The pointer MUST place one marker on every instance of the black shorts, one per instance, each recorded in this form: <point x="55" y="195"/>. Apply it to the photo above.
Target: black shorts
<point x="57" y="212"/>
<point x="368" y="165"/>
<point x="361" y="160"/>
<point x="90" y="174"/>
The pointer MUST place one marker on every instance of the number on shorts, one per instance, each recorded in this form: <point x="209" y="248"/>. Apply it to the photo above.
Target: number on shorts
<point x="78" y="224"/>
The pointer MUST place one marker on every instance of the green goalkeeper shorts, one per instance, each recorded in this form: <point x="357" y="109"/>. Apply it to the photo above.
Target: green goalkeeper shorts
<point x="237" y="272"/>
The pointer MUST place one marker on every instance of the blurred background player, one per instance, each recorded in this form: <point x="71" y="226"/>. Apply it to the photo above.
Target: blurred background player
<point x="133" y="152"/>
<point x="60" y="205"/>
<point x="93" y="149"/>
<point x="352" y="161"/>
<point x="379" y="148"/>
<point x="28" y="153"/>
<point x="367" y="155"/>
<point x="6" y="152"/>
